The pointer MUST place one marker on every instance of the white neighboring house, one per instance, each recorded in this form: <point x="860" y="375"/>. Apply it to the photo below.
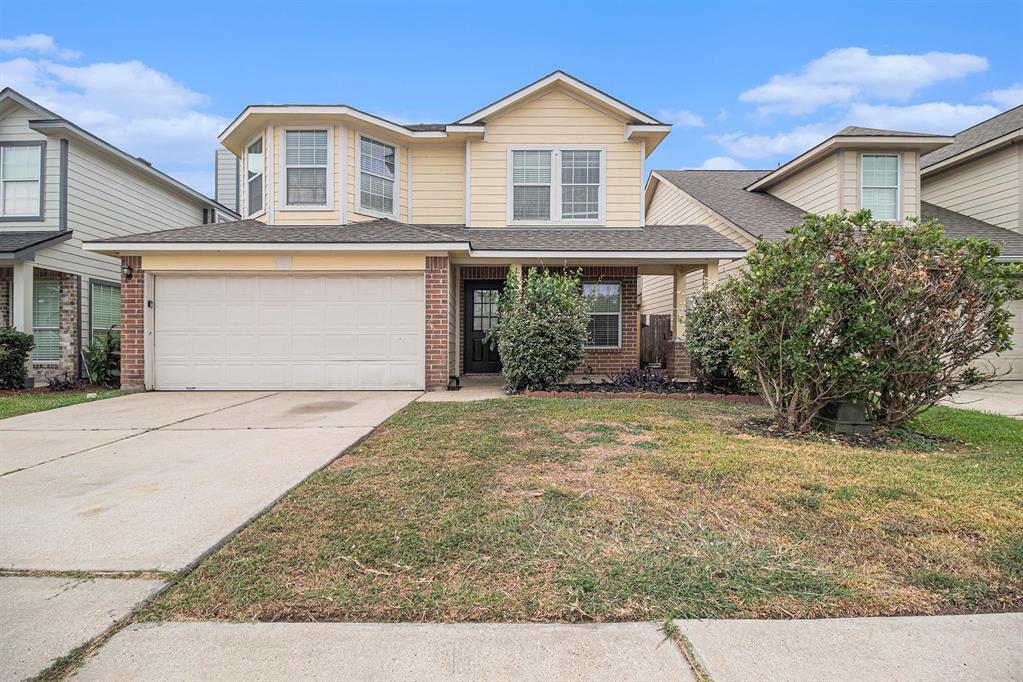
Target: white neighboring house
<point x="61" y="185"/>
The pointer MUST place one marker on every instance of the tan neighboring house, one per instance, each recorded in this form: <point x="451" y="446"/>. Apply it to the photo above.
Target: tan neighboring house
<point x="970" y="182"/>
<point x="371" y="253"/>
<point x="59" y="186"/>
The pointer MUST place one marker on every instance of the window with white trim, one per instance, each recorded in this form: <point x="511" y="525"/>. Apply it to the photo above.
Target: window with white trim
<point x="555" y="185"/>
<point x="604" y="329"/>
<point x="377" y="171"/>
<point x="21" y="180"/>
<point x="880" y="185"/>
<point x="254" y="166"/>
<point x="46" y="320"/>
<point x="306" y="154"/>
<point x="104" y="309"/>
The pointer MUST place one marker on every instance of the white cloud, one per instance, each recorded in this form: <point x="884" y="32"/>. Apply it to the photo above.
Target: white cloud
<point x="36" y="42"/>
<point x="849" y="74"/>
<point x="1008" y="98"/>
<point x="790" y="142"/>
<point x="139" y="109"/>
<point x="930" y="117"/>
<point x="721" y="163"/>
<point x="680" y="118"/>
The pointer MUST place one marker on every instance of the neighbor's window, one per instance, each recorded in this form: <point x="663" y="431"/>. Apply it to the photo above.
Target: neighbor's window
<point x="305" y="164"/>
<point x="605" y="327"/>
<point x="555" y="185"/>
<point x="46" y="320"/>
<point x="105" y="309"/>
<point x="376" y="176"/>
<point x="254" y="176"/>
<point x="20" y="180"/>
<point x="880" y="189"/>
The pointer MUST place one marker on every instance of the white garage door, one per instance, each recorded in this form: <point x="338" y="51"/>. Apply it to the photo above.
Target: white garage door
<point x="357" y="331"/>
<point x="1009" y="365"/>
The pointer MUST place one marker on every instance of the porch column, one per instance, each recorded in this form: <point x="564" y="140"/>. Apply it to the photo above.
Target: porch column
<point x="21" y="296"/>
<point x="710" y="274"/>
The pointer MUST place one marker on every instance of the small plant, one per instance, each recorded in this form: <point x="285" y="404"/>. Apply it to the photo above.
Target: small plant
<point x="102" y="359"/>
<point x="541" y="328"/>
<point x="710" y="330"/>
<point x="64" y="381"/>
<point x="15" y="347"/>
<point x="641" y="379"/>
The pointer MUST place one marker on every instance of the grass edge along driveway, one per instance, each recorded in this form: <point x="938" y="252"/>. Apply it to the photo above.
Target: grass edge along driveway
<point x="16" y="403"/>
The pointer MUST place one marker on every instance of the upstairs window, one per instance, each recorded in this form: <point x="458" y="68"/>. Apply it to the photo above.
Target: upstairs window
<point x="555" y="186"/>
<point x="377" y="172"/>
<point x="21" y="180"/>
<point x="254" y="176"/>
<point x="605" y="326"/>
<point x="306" y="159"/>
<point x="880" y="185"/>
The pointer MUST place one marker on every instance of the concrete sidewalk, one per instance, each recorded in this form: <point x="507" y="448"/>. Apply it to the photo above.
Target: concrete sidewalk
<point x="983" y="647"/>
<point x="998" y="397"/>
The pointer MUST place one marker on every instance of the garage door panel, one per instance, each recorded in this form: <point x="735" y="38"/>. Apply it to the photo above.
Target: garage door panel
<point x="352" y="331"/>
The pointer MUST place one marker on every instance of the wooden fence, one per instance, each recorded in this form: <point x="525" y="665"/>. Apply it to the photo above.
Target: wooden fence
<point x="654" y="335"/>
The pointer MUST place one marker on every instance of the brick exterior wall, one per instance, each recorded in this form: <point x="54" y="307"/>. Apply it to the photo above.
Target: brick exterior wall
<point x="679" y="364"/>
<point x="133" y="362"/>
<point x="612" y="360"/>
<point x="68" y="308"/>
<point x="469" y="272"/>
<point x="437" y="321"/>
<point x="6" y="277"/>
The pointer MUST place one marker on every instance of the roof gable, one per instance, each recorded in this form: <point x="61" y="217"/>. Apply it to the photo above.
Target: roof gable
<point x="1002" y="125"/>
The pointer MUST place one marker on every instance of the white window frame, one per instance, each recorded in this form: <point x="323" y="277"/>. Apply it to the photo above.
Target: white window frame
<point x="898" y="183"/>
<point x="620" y="313"/>
<point x="283" y="189"/>
<point x="395" y="198"/>
<point x="262" y="176"/>
<point x="41" y="181"/>
<point x="556" y="150"/>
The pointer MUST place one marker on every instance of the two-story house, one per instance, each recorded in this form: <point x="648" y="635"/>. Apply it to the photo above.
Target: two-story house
<point x="970" y="182"/>
<point x="59" y="186"/>
<point x="371" y="254"/>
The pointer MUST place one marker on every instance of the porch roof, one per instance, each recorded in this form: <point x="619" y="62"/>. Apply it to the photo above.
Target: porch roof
<point x="17" y="245"/>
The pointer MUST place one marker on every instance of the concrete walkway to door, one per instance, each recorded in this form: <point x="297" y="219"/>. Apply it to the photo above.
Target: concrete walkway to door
<point x="145" y="482"/>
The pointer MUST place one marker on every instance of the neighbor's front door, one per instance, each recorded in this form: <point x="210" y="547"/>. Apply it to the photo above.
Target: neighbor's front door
<point x="481" y="298"/>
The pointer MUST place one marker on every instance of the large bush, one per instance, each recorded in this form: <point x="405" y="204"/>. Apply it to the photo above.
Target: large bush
<point x="851" y="308"/>
<point x="15" y="347"/>
<point x="541" y="329"/>
<point x="102" y="359"/>
<point x="710" y="333"/>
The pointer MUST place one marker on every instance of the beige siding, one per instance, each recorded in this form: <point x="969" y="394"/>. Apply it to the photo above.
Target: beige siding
<point x="987" y="189"/>
<point x="438" y="183"/>
<point x="14" y="128"/>
<point x="555" y="118"/>
<point x="909" y="180"/>
<point x="849" y="185"/>
<point x="814" y="190"/>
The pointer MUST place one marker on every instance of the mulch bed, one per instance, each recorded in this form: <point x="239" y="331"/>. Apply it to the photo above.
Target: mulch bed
<point x="883" y="439"/>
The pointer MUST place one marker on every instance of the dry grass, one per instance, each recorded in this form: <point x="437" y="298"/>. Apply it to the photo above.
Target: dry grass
<point x="570" y="510"/>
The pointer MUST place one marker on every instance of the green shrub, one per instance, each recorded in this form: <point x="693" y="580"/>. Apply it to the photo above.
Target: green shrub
<point x="710" y="332"/>
<point x="541" y="328"/>
<point x="15" y="347"/>
<point x="102" y="359"/>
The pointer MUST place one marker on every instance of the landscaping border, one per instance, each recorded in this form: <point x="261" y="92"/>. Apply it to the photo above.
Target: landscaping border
<point x="709" y="397"/>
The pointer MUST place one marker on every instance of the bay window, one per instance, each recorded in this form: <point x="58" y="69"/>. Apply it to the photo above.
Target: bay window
<point x="604" y="329"/>
<point x="555" y="186"/>
<point x="306" y="165"/>
<point x="377" y="173"/>
<point x="21" y="180"/>
<point x="880" y="185"/>
<point x="254" y="177"/>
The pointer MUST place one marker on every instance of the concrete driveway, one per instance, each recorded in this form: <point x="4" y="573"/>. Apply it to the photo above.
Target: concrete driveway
<point x="998" y="397"/>
<point x="153" y="481"/>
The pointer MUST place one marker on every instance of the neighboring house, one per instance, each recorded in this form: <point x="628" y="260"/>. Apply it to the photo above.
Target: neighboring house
<point x="371" y="253"/>
<point x="60" y="185"/>
<point x="969" y="182"/>
<point x="228" y="169"/>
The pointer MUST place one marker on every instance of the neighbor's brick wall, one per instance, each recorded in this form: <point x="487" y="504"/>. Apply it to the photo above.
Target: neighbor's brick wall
<point x="68" y="297"/>
<point x="679" y="363"/>
<point x="133" y="362"/>
<point x="6" y="275"/>
<point x="437" y="321"/>
<point x="467" y="272"/>
<point x="612" y="360"/>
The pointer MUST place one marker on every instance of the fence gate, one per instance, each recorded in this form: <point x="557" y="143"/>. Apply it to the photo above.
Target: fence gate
<point x="654" y="335"/>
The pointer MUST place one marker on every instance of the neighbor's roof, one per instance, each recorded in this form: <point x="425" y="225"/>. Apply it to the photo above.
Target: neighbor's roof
<point x="655" y="238"/>
<point x="1001" y="125"/>
<point x="962" y="226"/>
<point x="723" y="191"/>
<point x="858" y="131"/>
<point x="15" y="245"/>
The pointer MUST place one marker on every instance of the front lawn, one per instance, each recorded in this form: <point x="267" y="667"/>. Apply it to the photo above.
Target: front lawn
<point x="13" y="403"/>
<point x="602" y="510"/>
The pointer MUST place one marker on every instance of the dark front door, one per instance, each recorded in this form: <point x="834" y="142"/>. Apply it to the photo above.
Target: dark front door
<point x="481" y="298"/>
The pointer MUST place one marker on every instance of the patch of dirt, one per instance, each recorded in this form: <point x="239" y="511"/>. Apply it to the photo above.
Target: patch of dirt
<point x="879" y="440"/>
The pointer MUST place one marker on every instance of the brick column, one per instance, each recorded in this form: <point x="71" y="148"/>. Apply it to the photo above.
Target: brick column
<point x="133" y="308"/>
<point x="437" y="294"/>
<point x="678" y="361"/>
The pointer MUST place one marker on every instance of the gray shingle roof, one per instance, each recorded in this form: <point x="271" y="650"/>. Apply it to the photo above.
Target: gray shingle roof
<point x="858" y="131"/>
<point x="758" y="213"/>
<point x="651" y="238"/>
<point x="961" y="226"/>
<point x="23" y="243"/>
<point x="982" y="133"/>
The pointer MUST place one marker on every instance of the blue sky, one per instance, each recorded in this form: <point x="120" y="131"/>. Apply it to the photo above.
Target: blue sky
<point x="746" y="84"/>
